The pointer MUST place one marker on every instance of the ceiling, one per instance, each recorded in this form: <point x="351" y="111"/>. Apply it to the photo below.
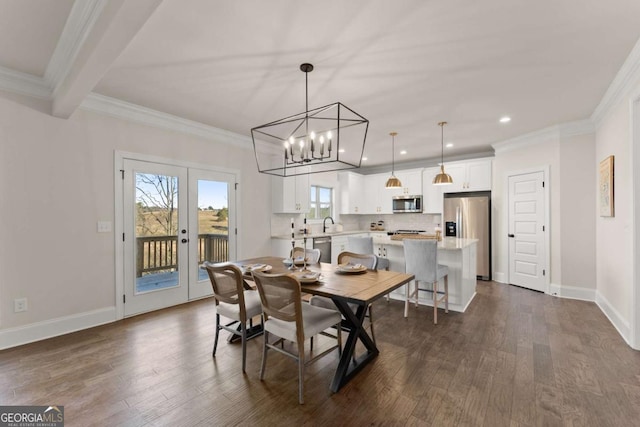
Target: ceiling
<point x="404" y="65"/>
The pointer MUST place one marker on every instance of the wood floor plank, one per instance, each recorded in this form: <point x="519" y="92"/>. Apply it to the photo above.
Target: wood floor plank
<point x="515" y="358"/>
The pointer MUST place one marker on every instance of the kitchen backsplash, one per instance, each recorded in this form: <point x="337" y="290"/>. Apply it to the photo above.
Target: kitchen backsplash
<point x="281" y="223"/>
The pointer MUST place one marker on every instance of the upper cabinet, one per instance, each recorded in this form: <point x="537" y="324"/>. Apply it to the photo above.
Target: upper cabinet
<point x="290" y="194"/>
<point x="469" y="176"/>
<point x="377" y="198"/>
<point x="411" y="183"/>
<point x="351" y="192"/>
<point x="431" y="194"/>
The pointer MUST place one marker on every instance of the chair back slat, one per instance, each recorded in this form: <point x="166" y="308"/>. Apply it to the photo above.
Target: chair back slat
<point x="369" y="260"/>
<point x="280" y="295"/>
<point x="312" y="255"/>
<point x="226" y="281"/>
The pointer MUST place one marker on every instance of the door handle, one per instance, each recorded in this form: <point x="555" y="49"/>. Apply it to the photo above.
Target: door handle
<point x="512" y="235"/>
<point x="185" y="240"/>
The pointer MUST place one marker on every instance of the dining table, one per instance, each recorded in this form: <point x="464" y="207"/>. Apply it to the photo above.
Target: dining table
<point x="344" y="286"/>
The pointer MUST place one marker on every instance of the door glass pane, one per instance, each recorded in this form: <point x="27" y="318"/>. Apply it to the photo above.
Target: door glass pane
<point x="156" y="232"/>
<point x="213" y="223"/>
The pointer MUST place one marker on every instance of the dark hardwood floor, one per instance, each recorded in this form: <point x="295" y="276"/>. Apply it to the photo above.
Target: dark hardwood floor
<point x="515" y="358"/>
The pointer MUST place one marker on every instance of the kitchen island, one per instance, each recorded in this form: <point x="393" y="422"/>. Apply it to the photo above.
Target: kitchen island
<point x="457" y="254"/>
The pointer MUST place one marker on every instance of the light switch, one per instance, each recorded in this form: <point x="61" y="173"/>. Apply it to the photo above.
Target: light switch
<point x="104" y="226"/>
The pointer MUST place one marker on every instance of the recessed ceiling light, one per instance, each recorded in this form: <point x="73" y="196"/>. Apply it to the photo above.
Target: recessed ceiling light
<point x="403" y="152"/>
<point x="364" y="159"/>
<point x="341" y="150"/>
<point x="505" y="119"/>
<point x="449" y="145"/>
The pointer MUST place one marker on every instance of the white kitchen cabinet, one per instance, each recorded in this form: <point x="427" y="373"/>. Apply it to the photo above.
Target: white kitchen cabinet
<point x="282" y="247"/>
<point x="290" y="194"/>
<point x="411" y="182"/>
<point x="468" y="176"/>
<point x="338" y="245"/>
<point x="377" y="198"/>
<point x="351" y="193"/>
<point x="431" y="194"/>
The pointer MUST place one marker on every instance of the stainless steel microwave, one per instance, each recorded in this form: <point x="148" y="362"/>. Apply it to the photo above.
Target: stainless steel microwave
<point x="406" y="204"/>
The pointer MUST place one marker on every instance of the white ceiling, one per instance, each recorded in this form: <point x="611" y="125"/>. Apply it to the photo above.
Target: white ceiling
<point x="404" y="65"/>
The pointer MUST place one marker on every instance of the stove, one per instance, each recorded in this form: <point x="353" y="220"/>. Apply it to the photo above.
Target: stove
<point x="391" y="233"/>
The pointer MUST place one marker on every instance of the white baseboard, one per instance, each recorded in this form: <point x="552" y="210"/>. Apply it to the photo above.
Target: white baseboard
<point x="618" y="322"/>
<point x="499" y="277"/>
<point x="572" y="292"/>
<point x="20" y="335"/>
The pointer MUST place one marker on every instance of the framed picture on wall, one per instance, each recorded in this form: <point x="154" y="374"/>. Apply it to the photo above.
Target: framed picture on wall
<point x="606" y="187"/>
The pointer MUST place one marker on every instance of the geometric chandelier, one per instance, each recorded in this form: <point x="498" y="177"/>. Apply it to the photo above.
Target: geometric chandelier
<point x="329" y="138"/>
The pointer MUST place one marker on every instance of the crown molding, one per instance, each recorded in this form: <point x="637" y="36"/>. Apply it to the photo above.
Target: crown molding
<point x="80" y="22"/>
<point x="554" y="133"/>
<point x="622" y="84"/>
<point x="23" y="83"/>
<point x="135" y="113"/>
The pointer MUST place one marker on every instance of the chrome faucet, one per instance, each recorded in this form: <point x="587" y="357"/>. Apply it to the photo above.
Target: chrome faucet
<point x="324" y="223"/>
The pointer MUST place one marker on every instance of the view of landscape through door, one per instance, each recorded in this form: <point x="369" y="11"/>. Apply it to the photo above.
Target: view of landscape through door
<point x="527" y="248"/>
<point x="212" y="197"/>
<point x="175" y="218"/>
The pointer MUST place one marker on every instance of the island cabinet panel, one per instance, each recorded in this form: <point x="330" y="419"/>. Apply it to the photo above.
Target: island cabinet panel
<point x="458" y="254"/>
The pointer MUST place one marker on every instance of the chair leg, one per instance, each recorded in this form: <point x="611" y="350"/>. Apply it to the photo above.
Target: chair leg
<point x="435" y="303"/>
<point x="301" y="372"/>
<point x="215" y="340"/>
<point x="244" y="345"/>
<point x="265" y="335"/>
<point x="312" y="343"/>
<point x="406" y="299"/>
<point x="416" y="293"/>
<point x="446" y="293"/>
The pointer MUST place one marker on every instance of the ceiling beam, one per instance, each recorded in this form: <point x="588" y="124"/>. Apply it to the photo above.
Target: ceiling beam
<point x="117" y="24"/>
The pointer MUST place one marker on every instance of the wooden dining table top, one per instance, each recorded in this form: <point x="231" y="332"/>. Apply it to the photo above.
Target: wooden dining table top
<point x="359" y="288"/>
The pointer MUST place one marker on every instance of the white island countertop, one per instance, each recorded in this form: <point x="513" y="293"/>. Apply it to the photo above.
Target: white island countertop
<point x="447" y="243"/>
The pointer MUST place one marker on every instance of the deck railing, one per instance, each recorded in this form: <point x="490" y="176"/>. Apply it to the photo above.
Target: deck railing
<point x="160" y="253"/>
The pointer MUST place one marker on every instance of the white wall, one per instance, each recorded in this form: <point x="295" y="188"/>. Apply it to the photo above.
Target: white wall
<point x="536" y="154"/>
<point x="571" y="195"/>
<point x="57" y="181"/>
<point x="577" y="195"/>
<point x="614" y="243"/>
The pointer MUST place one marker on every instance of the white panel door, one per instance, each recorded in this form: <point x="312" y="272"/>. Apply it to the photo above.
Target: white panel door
<point x="526" y="231"/>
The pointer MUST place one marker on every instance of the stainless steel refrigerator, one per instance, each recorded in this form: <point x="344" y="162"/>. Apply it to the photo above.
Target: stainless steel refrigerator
<point x="468" y="215"/>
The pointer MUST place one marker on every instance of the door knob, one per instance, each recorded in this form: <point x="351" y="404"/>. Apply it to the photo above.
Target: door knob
<point x="512" y="235"/>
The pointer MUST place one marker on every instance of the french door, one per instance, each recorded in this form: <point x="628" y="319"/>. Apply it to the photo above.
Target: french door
<point x="175" y="218"/>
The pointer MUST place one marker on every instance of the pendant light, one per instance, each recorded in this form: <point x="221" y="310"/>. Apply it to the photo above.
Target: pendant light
<point x="442" y="178"/>
<point x="393" y="182"/>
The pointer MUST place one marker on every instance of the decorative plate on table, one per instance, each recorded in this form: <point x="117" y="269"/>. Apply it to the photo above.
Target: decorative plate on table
<point x="351" y="268"/>
<point x="307" y="276"/>
<point x="256" y="267"/>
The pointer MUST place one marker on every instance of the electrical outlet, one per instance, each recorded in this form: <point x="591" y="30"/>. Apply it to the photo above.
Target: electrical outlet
<point x="104" y="226"/>
<point x="19" y="304"/>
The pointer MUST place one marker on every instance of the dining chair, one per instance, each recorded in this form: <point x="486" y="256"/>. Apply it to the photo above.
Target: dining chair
<point x="364" y="245"/>
<point x="421" y="260"/>
<point x="312" y="255"/>
<point x="368" y="260"/>
<point x="286" y="317"/>
<point x="232" y="301"/>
